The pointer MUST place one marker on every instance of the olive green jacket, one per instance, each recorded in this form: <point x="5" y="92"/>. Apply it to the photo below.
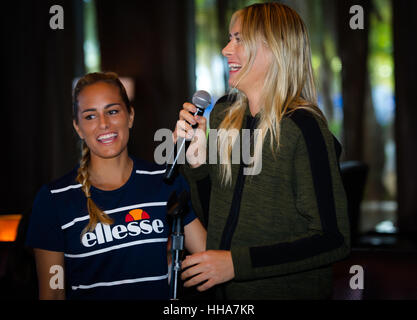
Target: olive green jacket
<point x="293" y="221"/>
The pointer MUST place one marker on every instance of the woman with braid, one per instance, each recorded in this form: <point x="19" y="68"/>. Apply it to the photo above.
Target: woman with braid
<point x="104" y="224"/>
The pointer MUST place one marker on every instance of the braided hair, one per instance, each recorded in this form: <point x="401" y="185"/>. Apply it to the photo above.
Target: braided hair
<point x="96" y="214"/>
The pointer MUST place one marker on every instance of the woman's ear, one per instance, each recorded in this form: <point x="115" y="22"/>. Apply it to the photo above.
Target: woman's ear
<point x="77" y="129"/>
<point x="131" y="117"/>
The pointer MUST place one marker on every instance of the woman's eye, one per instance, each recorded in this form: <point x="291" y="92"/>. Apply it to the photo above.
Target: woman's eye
<point x="89" y="117"/>
<point x="114" y="111"/>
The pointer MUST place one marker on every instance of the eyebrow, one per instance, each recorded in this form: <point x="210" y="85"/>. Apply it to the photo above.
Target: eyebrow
<point x="106" y="107"/>
<point x="234" y="34"/>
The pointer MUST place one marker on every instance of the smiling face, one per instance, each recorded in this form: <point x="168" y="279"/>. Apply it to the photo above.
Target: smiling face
<point x="103" y="120"/>
<point x="238" y="60"/>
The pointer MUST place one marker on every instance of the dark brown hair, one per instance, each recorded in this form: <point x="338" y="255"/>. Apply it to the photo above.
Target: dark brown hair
<point x="91" y="78"/>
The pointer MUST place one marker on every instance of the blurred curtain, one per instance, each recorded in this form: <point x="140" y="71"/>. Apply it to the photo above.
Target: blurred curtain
<point x="39" y="65"/>
<point x="405" y="25"/>
<point x="153" y="43"/>
<point x="353" y="51"/>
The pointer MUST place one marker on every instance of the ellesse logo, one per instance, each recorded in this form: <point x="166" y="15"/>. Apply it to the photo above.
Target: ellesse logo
<point x="138" y="223"/>
<point x="136" y="214"/>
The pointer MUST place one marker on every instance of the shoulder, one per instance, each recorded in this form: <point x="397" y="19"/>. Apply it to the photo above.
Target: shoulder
<point x="219" y="110"/>
<point x="146" y="167"/>
<point x="227" y="99"/>
<point x="313" y="130"/>
<point x="152" y="176"/>
<point x="305" y="123"/>
<point x="64" y="183"/>
<point x="52" y="197"/>
<point x="305" y="119"/>
<point x="149" y="176"/>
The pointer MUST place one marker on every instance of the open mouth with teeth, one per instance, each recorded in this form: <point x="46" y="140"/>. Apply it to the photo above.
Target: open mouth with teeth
<point x="107" y="138"/>
<point x="233" y="67"/>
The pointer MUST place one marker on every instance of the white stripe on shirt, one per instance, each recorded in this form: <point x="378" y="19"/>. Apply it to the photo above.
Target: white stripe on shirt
<point x="151" y="172"/>
<point x="116" y="247"/>
<point x="74" y="186"/>
<point x="135" y="206"/>
<point x="119" y="282"/>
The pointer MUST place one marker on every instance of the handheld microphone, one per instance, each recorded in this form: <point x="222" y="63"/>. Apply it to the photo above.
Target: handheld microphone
<point x="201" y="99"/>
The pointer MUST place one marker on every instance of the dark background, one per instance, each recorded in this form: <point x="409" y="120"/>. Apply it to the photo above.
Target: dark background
<point x="149" y="42"/>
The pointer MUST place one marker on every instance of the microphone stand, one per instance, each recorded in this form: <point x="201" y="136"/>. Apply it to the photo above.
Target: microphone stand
<point x="176" y="208"/>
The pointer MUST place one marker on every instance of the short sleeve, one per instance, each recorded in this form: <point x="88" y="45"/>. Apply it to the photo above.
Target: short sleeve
<point x="44" y="231"/>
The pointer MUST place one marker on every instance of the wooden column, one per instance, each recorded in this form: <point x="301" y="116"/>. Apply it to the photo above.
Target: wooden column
<point x="405" y="27"/>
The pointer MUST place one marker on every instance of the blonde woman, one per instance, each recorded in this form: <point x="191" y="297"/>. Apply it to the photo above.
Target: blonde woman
<point x="272" y="234"/>
<point x="104" y="224"/>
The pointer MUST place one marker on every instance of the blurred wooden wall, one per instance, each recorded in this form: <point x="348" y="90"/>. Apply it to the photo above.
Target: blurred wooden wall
<point x="153" y="43"/>
<point x="405" y="27"/>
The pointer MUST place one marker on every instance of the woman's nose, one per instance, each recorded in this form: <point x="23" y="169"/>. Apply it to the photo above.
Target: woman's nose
<point x="104" y="122"/>
<point x="228" y="49"/>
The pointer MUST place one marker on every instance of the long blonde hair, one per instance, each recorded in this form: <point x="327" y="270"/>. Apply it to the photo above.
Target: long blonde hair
<point x="289" y="83"/>
<point x="96" y="214"/>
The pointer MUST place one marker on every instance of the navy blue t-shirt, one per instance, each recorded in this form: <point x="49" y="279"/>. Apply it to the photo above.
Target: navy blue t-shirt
<point x="125" y="260"/>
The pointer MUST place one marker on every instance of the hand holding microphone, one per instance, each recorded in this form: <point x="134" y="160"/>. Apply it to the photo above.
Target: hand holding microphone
<point x="191" y="126"/>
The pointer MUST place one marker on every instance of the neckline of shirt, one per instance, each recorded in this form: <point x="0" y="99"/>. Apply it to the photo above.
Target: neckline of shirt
<point x="121" y="188"/>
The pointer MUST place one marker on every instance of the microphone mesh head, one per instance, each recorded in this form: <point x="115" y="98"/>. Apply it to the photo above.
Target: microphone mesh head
<point x="201" y="99"/>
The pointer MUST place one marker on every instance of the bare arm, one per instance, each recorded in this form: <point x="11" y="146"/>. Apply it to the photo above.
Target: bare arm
<point x="195" y="237"/>
<point x="50" y="270"/>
